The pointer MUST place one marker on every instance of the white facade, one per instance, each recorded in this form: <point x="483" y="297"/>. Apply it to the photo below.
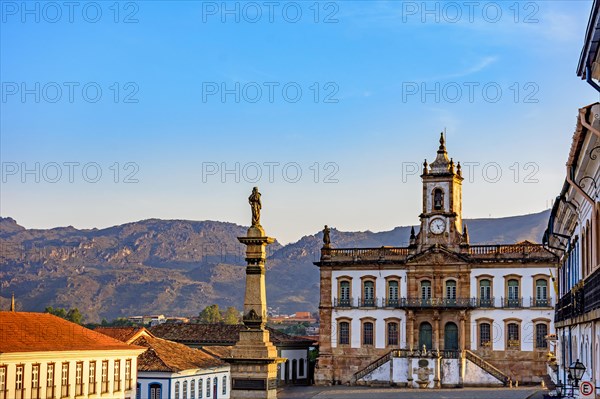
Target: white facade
<point x="189" y="384"/>
<point x="82" y="375"/>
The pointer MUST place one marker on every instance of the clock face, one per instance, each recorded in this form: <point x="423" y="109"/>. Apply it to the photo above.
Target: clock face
<point x="437" y="226"/>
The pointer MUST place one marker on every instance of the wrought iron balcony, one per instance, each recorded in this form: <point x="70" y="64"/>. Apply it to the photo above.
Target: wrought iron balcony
<point x="367" y="302"/>
<point x="486" y="302"/>
<point x="512" y="302"/>
<point x="390" y="303"/>
<point x="344" y="303"/>
<point x="540" y="303"/>
<point x="438" y="303"/>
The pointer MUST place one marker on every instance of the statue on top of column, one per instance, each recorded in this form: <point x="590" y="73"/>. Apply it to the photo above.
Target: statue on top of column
<point x="256" y="206"/>
<point x="326" y="237"/>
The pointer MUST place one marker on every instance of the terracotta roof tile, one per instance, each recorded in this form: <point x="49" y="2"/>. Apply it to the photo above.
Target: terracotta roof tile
<point x="43" y="332"/>
<point x="218" y="351"/>
<point x="217" y="334"/>
<point x="168" y="356"/>
<point x="123" y="334"/>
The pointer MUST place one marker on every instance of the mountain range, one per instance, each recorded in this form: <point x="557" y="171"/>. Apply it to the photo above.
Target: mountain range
<point x="177" y="267"/>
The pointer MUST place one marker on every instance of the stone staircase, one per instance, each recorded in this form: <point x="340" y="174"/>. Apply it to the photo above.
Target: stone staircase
<point x="488" y="367"/>
<point x="466" y="355"/>
<point x="373" y="366"/>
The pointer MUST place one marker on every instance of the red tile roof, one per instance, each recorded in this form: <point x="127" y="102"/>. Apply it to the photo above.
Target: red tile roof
<point x="218" y="334"/>
<point x="168" y="356"/>
<point x="43" y="332"/>
<point x="218" y="351"/>
<point x="123" y="334"/>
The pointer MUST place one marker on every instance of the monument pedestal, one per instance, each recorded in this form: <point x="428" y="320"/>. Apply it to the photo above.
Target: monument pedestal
<point x="254" y="358"/>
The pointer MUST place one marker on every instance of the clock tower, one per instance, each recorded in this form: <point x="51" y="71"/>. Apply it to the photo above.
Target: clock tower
<point x="441" y="219"/>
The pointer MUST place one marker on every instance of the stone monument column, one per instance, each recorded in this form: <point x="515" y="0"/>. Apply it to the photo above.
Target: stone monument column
<point x="254" y="358"/>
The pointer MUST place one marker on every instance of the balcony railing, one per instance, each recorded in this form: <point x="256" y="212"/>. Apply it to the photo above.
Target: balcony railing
<point x="540" y="303"/>
<point x="512" y="302"/>
<point x="512" y="250"/>
<point x="343" y="303"/>
<point x="486" y="302"/>
<point x="359" y="254"/>
<point x="438" y="302"/>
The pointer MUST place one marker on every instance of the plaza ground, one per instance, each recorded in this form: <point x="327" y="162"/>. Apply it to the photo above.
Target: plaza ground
<point x="347" y="392"/>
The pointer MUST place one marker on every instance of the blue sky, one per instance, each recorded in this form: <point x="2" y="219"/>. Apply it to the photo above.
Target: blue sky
<point x="353" y="95"/>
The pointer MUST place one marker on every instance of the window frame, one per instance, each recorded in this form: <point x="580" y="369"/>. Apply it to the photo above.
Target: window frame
<point x="422" y="289"/>
<point x="541" y="302"/>
<point x="388" y="322"/>
<point x="35" y="382"/>
<point x="509" y="301"/>
<point x="50" y="379"/>
<point x="341" y="301"/>
<point x="104" y="380"/>
<point x="364" y="322"/>
<point x="513" y="344"/>
<point x="389" y="280"/>
<point x="339" y="322"/>
<point x="20" y="382"/>
<point x="79" y="387"/>
<point x="370" y="302"/>
<point x="480" y="343"/>
<point x="3" y="381"/>
<point x="64" y="377"/>
<point x="92" y="377"/>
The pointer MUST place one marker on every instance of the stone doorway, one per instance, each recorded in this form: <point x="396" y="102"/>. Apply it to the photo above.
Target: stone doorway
<point x="425" y="334"/>
<point x="451" y="336"/>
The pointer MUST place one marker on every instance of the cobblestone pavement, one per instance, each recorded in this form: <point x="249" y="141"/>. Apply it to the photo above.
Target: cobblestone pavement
<point x="344" y="392"/>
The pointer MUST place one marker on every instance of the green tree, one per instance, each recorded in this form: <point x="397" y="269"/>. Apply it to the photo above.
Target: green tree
<point x="232" y="316"/>
<point x="74" y="315"/>
<point x="211" y="314"/>
<point x="60" y="312"/>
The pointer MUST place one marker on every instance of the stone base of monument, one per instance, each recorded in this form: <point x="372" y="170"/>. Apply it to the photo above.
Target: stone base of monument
<point x="254" y="366"/>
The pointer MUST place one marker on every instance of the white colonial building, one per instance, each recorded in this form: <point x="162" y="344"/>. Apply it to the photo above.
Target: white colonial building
<point x="457" y="310"/>
<point x="44" y="356"/>
<point x="169" y="370"/>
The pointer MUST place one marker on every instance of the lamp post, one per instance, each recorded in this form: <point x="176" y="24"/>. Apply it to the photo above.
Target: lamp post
<point x="559" y="389"/>
<point x="576" y="370"/>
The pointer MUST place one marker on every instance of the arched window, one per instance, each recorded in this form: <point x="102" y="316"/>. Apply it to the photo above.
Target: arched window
<point x="301" y="368"/>
<point x="200" y="388"/>
<point x="224" y="387"/>
<point x="426" y="289"/>
<point x="185" y="391"/>
<point x="541" y="292"/>
<point x="193" y="389"/>
<point x="177" y="390"/>
<point x="215" y="386"/>
<point x="367" y="333"/>
<point x="393" y="334"/>
<point x="451" y="290"/>
<point x="485" y="335"/>
<point x="155" y="391"/>
<point x="512" y="335"/>
<point x="344" y="333"/>
<point x="208" y="387"/>
<point x="438" y="199"/>
<point x="138" y="391"/>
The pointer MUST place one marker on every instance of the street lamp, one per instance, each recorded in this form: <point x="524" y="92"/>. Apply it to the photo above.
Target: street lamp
<point x="559" y="389"/>
<point x="576" y="369"/>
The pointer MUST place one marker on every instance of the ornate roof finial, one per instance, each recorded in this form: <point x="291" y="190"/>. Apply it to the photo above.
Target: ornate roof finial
<point x="425" y="167"/>
<point x="442" y="142"/>
<point x="465" y="234"/>
<point x="412" y="233"/>
<point x="12" y="303"/>
<point x="451" y="165"/>
<point x="459" y="169"/>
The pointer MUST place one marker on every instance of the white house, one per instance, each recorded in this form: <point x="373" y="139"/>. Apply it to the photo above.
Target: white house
<point x="44" y="356"/>
<point x="169" y="370"/>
